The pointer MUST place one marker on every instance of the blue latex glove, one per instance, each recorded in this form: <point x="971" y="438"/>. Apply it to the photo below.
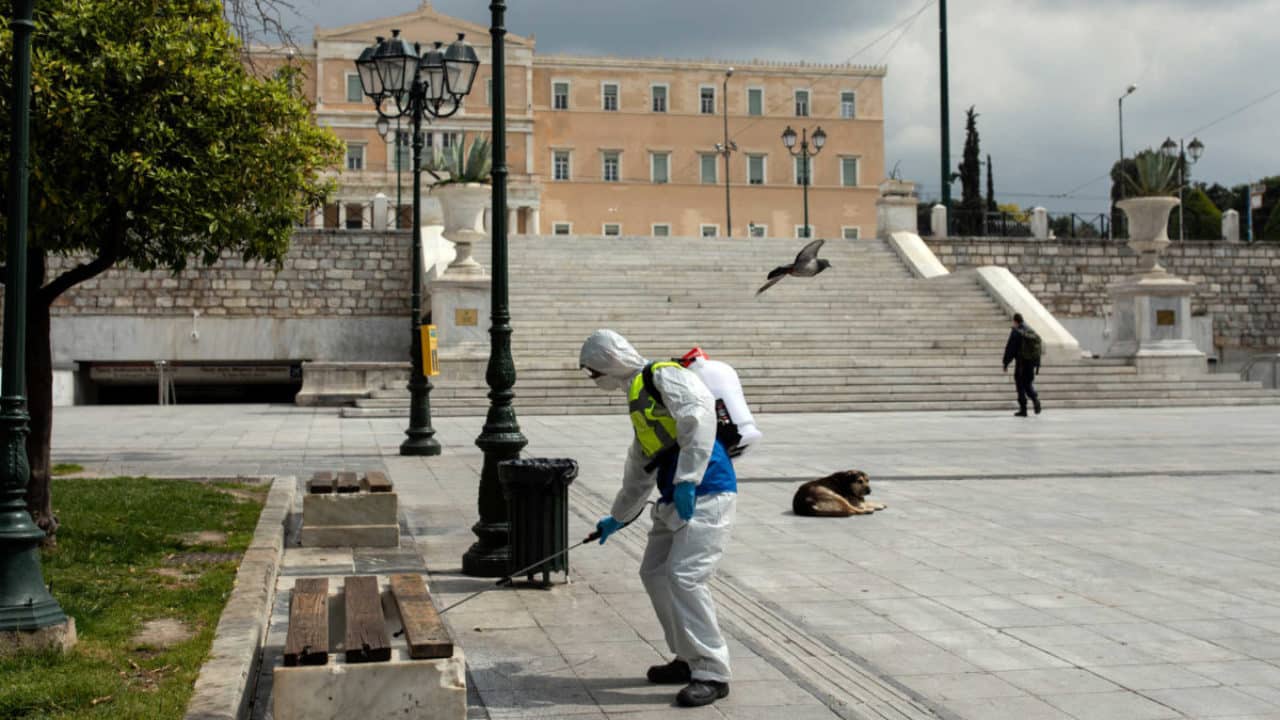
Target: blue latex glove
<point x="685" y="496"/>
<point x="607" y="526"/>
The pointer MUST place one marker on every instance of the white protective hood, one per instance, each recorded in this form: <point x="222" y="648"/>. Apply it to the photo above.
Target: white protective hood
<point x="608" y="352"/>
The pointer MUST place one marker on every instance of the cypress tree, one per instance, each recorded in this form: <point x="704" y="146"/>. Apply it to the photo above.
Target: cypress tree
<point x="991" y="189"/>
<point x="971" y="177"/>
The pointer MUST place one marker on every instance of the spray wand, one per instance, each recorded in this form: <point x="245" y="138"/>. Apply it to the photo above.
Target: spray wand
<point x="508" y="579"/>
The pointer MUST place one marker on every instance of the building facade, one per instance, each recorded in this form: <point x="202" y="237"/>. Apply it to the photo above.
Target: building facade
<point x="621" y="146"/>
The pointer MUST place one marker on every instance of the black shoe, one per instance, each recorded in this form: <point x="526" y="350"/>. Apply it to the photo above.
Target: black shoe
<point x="1020" y="413"/>
<point x="676" y="672"/>
<point x="1037" y="402"/>
<point x="702" y="692"/>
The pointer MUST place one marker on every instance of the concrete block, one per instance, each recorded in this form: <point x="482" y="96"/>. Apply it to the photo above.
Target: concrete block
<point x="349" y="509"/>
<point x="1059" y="345"/>
<point x="351" y="536"/>
<point x="916" y="255"/>
<point x="60" y="637"/>
<point x="340" y="383"/>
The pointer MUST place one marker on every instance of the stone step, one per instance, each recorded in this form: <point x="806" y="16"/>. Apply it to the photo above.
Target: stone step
<point x="753" y="390"/>
<point x="591" y="396"/>
<point x="1006" y="404"/>
<point x="865" y="336"/>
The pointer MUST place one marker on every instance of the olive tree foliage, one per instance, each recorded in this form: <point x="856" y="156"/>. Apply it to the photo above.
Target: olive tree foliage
<point x="151" y="146"/>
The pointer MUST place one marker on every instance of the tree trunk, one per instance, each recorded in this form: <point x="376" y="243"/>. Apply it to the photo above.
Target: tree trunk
<point x="39" y="396"/>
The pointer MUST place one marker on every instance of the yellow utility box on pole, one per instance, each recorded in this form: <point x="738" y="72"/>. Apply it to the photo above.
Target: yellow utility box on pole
<point x="430" y="354"/>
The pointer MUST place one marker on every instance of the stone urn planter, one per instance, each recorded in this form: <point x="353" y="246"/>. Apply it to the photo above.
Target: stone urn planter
<point x="463" y="205"/>
<point x="1148" y="229"/>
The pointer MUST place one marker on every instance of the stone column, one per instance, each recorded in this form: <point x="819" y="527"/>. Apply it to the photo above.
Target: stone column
<point x="938" y="221"/>
<point x="535" y="221"/>
<point x="1231" y="226"/>
<point x="513" y="220"/>
<point x="1040" y="223"/>
<point x="342" y="214"/>
<point x="379" y="223"/>
<point x="317" y="219"/>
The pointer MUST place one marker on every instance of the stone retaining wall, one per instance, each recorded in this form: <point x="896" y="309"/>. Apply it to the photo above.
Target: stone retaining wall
<point x="327" y="273"/>
<point x="1239" y="284"/>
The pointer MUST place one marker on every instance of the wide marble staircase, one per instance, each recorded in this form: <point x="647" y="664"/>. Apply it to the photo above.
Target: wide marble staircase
<point x="863" y="336"/>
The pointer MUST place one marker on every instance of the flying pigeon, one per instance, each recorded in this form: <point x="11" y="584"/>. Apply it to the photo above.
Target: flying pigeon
<point x="807" y="264"/>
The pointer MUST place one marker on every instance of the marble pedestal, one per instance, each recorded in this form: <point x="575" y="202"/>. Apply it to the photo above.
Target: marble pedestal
<point x="398" y="689"/>
<point x="350" y="520"/>
<point x="1151" y="324"/>
<point x="896" y="208"/>
<point x="460" y="310"/>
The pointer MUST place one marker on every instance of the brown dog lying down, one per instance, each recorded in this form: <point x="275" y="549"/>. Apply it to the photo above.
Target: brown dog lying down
<point x="839" y="494"/>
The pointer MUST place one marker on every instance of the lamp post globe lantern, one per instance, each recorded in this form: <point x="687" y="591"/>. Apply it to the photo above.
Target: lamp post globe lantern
<point x="402" y="81"/>
<point x="819" y="138"/>
<point x="432" y="68"/>
<point x="367" y="69"/>
<point x="789" y="137"/>
<point x="1195" y="149"/>
<point x="461" y="63"/>
<point x="1169" y="147"/>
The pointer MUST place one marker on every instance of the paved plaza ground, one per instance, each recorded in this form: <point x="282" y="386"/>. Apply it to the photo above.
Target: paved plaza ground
<point x="1087" y="564"/>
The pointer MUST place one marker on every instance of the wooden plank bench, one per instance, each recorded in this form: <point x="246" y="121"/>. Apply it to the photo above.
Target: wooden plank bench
<point x="326" y="482"/>
<point x="391" y="651"/>
<point x="376" y="482"/>
<point x="307" y="642"/>
<point x="321" y="483"/>
<point x="366" y="638"/>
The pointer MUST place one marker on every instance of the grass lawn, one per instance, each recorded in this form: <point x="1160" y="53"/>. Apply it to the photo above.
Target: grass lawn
<point x="129" y="551"/>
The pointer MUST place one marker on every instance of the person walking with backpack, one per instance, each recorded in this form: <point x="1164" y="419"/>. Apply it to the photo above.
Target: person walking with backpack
<point x="673" y="414"/>
<point x="1023" y="349"/>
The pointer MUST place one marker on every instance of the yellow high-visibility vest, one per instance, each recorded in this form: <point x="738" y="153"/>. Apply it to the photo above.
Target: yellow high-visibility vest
<point x="654" y="426"/>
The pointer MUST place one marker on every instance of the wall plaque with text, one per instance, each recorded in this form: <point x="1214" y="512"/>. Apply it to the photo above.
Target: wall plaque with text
<point x="1165" y="317"/>
<point x="466" y="317"/>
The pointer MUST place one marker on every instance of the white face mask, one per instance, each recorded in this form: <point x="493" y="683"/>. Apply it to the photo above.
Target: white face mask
<point x="608" y="382"/>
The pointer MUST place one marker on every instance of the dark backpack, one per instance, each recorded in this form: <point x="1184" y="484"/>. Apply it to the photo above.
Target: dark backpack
<point x="1031" y="347"/>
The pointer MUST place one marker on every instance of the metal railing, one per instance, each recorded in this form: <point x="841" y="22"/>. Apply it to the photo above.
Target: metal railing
<point x="1273" y="359"/>
<point x="165" y="389"/>
<point x="1080" y="226"/>
<point x="983" y="223"/>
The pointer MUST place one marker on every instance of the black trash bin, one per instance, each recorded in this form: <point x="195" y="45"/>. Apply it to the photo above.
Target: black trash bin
<point x="537" y="493"/>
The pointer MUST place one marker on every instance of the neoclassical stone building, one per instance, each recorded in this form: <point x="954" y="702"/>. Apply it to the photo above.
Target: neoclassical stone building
<point x="626" y="146"/>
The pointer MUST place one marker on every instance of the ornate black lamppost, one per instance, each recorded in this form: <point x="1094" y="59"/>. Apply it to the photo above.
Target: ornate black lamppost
<point x="789" y="140"/>
<point x="25" y="602"/>
<point x="501" y="438"/>
<point x="725" y="148"/>
<point x="1181" y="151"/>
<point x="384" y="129"/>
<point x="403" y="81"/>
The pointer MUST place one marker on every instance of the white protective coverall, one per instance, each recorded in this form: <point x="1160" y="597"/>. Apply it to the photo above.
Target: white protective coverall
<point x="680" y="557"/>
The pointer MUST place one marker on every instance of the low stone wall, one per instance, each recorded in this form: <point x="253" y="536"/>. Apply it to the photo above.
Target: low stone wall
<point x="1238" y="284"/>
<point x="326" y="273"/>
<point x="339" y="295"/>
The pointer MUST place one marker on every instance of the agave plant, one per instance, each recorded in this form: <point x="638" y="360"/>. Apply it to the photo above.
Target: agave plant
<point x="463" y="165"/>
<point x="1157" y="174"/>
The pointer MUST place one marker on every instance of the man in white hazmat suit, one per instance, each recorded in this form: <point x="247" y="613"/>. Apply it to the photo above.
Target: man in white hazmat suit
<point x="675" y="448"/>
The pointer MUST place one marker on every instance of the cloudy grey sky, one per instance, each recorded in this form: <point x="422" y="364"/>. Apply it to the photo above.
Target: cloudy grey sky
<point x="1043" y="74"/>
